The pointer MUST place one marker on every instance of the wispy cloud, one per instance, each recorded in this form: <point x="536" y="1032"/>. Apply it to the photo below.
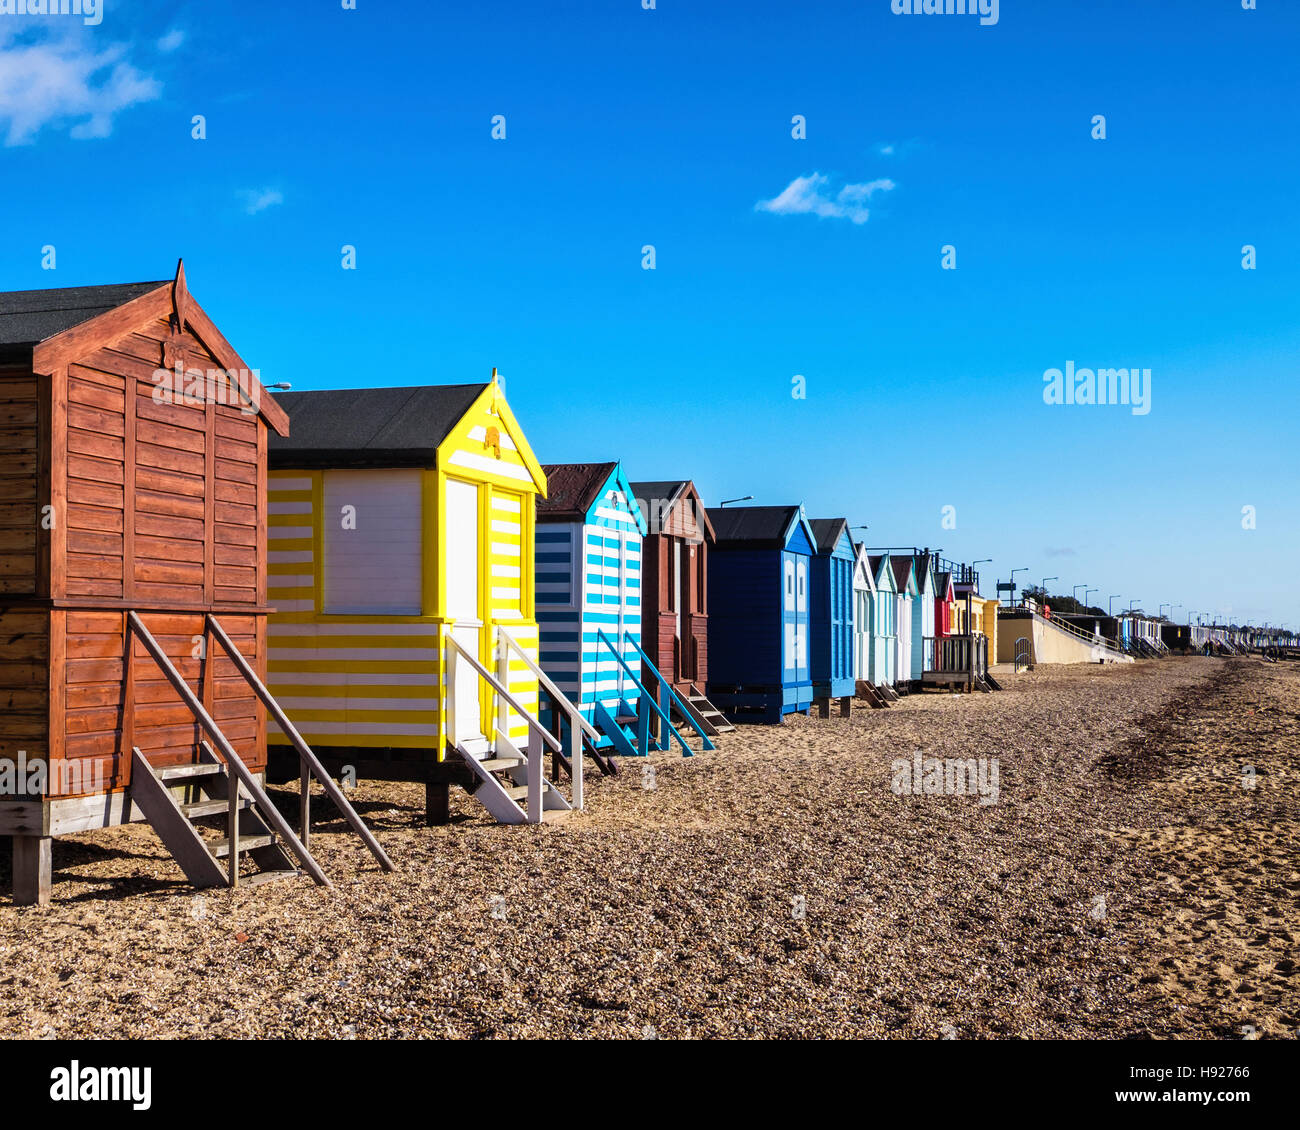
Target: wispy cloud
<point x="886" y="148"/>
<point x="64" y="83"/>
<point x="812" y="195"/>
<point x="260" y="199"/>
<point x="1060" y="551"/>
<point x="172" y="40"/>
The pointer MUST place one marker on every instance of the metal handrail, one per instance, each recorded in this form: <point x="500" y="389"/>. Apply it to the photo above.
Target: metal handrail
<point x="686" y="750"/>
<point x="667" y="687"/>
<point x="547" y="737"/>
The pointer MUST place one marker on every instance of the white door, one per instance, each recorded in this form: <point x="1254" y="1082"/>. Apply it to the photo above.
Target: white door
<point x="461" y="559"/>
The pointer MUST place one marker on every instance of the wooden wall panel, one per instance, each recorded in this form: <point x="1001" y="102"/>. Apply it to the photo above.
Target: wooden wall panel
<point x="19" y="512"/>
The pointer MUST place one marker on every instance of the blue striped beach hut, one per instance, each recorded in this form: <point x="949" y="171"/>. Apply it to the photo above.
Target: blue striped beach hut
<point x="588" y="575"/>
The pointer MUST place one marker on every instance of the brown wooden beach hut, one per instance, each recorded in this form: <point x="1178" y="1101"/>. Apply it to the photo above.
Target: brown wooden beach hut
<point x="132" y="578"/>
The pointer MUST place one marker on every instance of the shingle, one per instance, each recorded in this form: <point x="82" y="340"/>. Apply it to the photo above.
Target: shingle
<point x="571" y="488"/>
<point x="376" y="426"/>
<point x="31" y="316"/>
<point x="758" y="527"/>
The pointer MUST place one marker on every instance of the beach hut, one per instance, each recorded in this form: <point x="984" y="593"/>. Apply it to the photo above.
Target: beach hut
<point x="864" y="588"/>
<point x="758" y="581"/>
<point x="590" y="532"/>
<point x="675" y="592"/>
<point x="944" y="605"/>
<point x="906" y="597"/>
<point x="133" y="581"/>
<point x="404" y="642"/>
<point x="831" y="614"/>
<point x="884" y="615"/>
<point x="922" y="620"/>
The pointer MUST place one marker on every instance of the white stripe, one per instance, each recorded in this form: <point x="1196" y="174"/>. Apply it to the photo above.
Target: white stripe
<point x="334" y="702"/>
<point x="479" y="432"/>
<point x="346" y="628"/>
<point x="346" y="678"/>
<point x="507" y="504"/>
<point x="504" y="593"/>
<point x="491" y="466"/>
<point x="288" y="557"/>
<point x="275" y="533"/>
<point x="335" y="654"/>
<point x="506" y="571"/>
<point x="288" y="507"/>
<point x="501" y="526"/>
<point x="290" y="581"/>
<point x="276" y="482"/>
<point x="282" y="605"/>
<point x="380" y="729"/>
<point x="505" y="549"/>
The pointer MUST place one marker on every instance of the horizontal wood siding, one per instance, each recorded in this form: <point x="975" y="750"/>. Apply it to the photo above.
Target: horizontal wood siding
<point x="24" y="676"/>
<point x="19" y="513"/>
<point x="114" y="701"/>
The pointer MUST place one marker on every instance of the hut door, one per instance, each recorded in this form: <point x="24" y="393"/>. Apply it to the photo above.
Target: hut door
<point x="461" y="557"/>
<point x="680" y="644"/>
<point x="789" y="618"/>
<point x="801" y="610"/>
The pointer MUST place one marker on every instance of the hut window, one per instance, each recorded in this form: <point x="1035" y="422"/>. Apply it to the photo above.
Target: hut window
<point x="372" y="543"/>
<point x="789" y="585"/>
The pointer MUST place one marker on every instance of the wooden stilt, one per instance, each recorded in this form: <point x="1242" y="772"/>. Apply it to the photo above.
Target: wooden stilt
<point x="823" y="708"/>
<point x="437" y="803"/>
<point x="846" y="706"/>
<point x="32" y="870"/>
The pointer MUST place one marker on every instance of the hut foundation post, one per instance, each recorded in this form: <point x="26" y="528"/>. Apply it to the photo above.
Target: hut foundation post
<point x="823" y="708"/>
<point x="32" y="869"/>
<point x="846" y="706"/>
<point x="437" y="803"/>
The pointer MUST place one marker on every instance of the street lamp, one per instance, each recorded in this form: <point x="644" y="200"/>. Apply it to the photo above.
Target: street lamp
<point x="1075" y="591"/>
<point x="729" y="501"/>
<point x="1131" y="603"/>
<point x="1085" y="596"/>
<point x="1161" y="610"/>
<point x="1110" y="608"/>
<point x="1190" y="613"/>
<point x="1045" y="580"/>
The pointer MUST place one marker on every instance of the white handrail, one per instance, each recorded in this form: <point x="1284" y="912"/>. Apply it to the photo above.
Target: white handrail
<point x="514" y="703"/>
<point x="578" y="725"/>
<point x="552" y="689"/>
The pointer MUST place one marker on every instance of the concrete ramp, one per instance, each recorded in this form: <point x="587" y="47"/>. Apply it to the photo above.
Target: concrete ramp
<point x="1053" y="641"/>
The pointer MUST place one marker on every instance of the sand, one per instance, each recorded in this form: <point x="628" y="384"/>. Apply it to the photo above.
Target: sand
<point x="1123" y="885"/>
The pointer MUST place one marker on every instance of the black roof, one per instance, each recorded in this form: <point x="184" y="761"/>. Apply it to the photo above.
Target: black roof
<point x="31" y="316"/>
<point x="760" y="527"/>
<point x="382" y="427"/>
<point x="658" y="490"/>
<point x="827" y="532"/>
<point x="571" y="488"/>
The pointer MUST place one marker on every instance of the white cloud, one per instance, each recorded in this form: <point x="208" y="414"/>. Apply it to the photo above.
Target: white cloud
<point x="885" y="149"/>
<point x="66" y="83"/>
<point x="260" y="199"/>
<point x="172" y="40"/>
<point x="812" y="195"/>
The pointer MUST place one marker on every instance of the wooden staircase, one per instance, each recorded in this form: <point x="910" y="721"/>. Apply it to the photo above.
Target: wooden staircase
<point x="695" y="706"/>
<point x="871" y="694"/>
<point x="226" y="787"/>
<point x="507" y="781"/>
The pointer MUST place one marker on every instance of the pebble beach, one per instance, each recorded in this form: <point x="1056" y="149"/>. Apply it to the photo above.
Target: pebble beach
<point x="1136" y="877"/>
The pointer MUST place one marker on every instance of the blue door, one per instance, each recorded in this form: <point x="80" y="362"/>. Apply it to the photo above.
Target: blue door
<point x="789" y="621"/>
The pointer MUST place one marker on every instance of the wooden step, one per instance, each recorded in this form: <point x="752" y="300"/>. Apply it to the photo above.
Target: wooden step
<point x="625" y="719"/>
<point x="211" y="807"/>
<point x="520" y="792"/>
<point x="179" y="772"/>
<point x="221" y="848"/>
<point x="492" y="764"/>
<point x="268" y="877"/>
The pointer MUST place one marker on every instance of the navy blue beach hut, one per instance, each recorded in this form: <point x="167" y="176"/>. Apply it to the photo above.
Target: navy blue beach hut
<point x="831" y="614"/>
<point x="759" y="600"/>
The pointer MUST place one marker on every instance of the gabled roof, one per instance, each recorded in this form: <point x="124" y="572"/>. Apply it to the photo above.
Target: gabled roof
<point x="904" y="571"/>
<point x="881" y="570"/>
<point x="670" y="493"/>
<point x="31" y="316"/>
<point x="571" y="488"/>
<point x="375" y="426"/>
<point x="862" y="564"/>
<point x="757" y="527"/>
<point x="943" y="585"/>
<point x="827" y="533"/>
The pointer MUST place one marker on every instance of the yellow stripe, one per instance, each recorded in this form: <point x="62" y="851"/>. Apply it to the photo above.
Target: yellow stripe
<point x="332" y="641"/>
<point x="353" y="690"/>
<point x="363" y="741"/>
<point x="361" y="666"/>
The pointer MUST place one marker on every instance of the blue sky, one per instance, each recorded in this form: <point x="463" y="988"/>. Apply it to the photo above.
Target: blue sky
<point x="627" y="127"/>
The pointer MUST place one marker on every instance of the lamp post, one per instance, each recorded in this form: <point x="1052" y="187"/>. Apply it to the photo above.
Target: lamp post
<point x="729" y="501"/>
<point x="1110" y="607"/>
<point x="1045" y="580"/>
<point x="1131" y="603"/>
<point x="1085" y="596"/>
<point x="1013" y="580"/>
<point x="1161" y="610"/>
<point x="1075" y="591"/>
